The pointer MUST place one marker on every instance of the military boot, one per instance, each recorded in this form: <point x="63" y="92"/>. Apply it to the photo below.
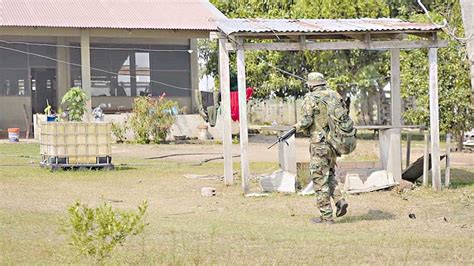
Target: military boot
<point x="341" y="206"/>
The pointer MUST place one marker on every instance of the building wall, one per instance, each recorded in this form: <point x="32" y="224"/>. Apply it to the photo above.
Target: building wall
<point x="11" y="112"/>
<point x="15" y="84"/>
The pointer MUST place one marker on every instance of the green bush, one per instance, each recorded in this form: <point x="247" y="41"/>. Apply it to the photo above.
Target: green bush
<point x="152" y="118"/>
<point x="94" y="232"/>
<point x="119" y="132"/>
<point x="75" y="100"/>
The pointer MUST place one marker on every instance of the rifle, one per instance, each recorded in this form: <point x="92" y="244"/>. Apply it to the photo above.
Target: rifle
<point x="284" y="137"/>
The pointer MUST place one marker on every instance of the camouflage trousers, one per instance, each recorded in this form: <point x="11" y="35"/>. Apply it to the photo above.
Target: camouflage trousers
<point x="322" y="172"/>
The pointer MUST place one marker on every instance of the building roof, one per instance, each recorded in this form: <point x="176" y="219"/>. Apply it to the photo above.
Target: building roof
<point x="282" y="26"/>
<point x="110" y="14"/>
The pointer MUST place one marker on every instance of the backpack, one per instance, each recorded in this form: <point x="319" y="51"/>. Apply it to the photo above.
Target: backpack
<point x="342" y="134"/>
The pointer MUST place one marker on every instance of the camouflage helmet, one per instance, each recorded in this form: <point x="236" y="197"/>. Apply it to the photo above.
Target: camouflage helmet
<point x="316" y="79"/>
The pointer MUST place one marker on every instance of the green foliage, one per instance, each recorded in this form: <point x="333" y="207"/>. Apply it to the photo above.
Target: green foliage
<point x="119" y="132"/>
<point x="359" y="72"/>
<point x="75" y="100"/>
<point x="454" y="81"/>
<point x="152" y="118"/>
<point x="95" y="232"/>
<point x="235" y="140"/>
<point x="347" y="70"/>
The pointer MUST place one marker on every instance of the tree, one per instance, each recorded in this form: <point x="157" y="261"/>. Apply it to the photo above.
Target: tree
<point x="342" y="67"/>
<point x="359" y="72"/>
<point x="454" y="83"/>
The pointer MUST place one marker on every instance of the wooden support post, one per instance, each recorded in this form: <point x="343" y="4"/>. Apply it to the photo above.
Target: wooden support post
<point x="426" y="160"/>
<point x="86" y="70"/>
<point x="434" y="118"/>
<point x="295" y="106"/>
<point x="194" y="59"/>
<point x="408" y="149"/>
<point x="224" y="81"/>
<point x="395" y="140"/>
<point x="63" y="81"/>
<point x="27" y="121"/>
<point x="447" y="173"/>
<point x="244" y="140"/>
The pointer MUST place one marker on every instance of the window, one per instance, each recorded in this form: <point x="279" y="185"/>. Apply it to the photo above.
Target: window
<point x="123" y="84"/>
<point x="13" y="82"/>
<point x="142" y="73"/>
<point x="13" y="70"/>
<point x="127" y="72"/>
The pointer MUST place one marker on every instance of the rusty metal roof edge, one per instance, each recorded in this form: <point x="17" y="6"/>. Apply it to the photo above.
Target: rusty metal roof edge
<point x="188" y="15"/>
<point x="108" y="27"/>
<point x="225" y="26"/>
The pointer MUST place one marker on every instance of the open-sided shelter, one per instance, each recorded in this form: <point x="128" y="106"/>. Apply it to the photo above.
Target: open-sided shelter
<point x="242" y="35"/>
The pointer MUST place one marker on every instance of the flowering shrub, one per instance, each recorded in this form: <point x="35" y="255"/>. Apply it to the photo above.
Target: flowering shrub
<point x="152" y="118"/>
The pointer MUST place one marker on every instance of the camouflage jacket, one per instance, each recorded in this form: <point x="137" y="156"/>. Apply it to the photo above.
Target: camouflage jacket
<point x="314" y="116"/>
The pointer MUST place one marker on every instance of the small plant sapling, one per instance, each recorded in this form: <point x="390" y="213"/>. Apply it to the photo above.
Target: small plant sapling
<point x="75" y="100"/>
<point x="95" y="232"/>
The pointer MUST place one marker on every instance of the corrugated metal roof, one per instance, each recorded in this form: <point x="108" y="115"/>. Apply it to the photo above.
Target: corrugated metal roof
<point x="116" y="14"/>
<point x="275" y="26"/>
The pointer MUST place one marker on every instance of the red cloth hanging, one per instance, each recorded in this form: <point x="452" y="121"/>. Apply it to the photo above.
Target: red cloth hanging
<point x="234" y="103"/>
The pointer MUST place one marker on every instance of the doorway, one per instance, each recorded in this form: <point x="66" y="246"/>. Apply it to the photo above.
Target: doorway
<point x="43" y="89"/>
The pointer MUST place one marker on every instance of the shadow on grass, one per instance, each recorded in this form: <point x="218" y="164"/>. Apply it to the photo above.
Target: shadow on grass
<point x="96" y="169"/>
<point x="371" y="215"/>
<point x="461" y="177"/>
<point x="124" y="168"/>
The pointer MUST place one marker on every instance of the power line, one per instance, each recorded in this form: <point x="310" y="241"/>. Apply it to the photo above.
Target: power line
<point x="303" y="79"/>
<point x="92" y="68"/>
<point x="95" y="48"/>
<point x="281" y="70"/>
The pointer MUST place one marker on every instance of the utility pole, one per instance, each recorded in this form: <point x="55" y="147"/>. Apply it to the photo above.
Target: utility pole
<point x="467" y="10"/>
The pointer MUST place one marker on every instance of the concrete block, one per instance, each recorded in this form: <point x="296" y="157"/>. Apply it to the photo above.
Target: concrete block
<point x="308" y="190"/>
<point x="208" y="192"/>
<point x="375" y="181"/>
<point x="287" y="155"/>
<point x="281" y="181"/>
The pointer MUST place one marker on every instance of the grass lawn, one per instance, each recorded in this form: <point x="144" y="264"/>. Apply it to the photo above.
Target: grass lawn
<point x="185" y="228"/>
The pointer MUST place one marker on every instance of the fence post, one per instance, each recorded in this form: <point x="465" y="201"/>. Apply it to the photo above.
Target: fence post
<point x="447" y="173"/>
<point x="426" y="159"/>
<point x="408" y="149"/>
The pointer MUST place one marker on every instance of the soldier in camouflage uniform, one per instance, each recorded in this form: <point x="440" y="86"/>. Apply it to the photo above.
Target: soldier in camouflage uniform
<point x="323" y="155"/>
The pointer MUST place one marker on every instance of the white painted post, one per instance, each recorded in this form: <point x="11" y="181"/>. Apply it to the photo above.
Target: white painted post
<point x="62" y="70"/>
<point x="224" y="81"/>
<point x="86" y="70"/>
<point x="194" y="58"/>
<point x="408" y="149"/>
<point x="395" y="136"/>
<point x="447" y="173"/>
<point x="384" y="147"/>
<point x="426" y="159"/>
<point x="244" y="139"/>
<point x="467" y="11"/>
<point x="434" y="118"/>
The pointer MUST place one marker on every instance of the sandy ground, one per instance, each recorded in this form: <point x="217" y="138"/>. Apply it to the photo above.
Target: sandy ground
<point x="367" y="150"/>
<point x="185" y="228"/>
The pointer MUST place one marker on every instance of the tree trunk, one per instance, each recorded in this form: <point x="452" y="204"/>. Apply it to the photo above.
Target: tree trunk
<point x="467" y="9"/>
